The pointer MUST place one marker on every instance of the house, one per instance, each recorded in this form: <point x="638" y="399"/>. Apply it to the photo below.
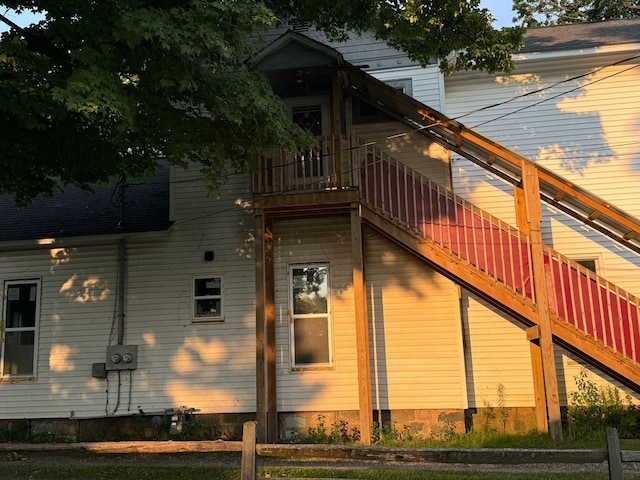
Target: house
<point x="360" y="280"/>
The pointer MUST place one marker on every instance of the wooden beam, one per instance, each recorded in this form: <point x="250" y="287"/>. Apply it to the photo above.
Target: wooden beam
<point x="266" y="406"/>
<point x="261" y="374"/>
<point x="362" y="329"/>
<point x="531" y="189"/>
<point x="538" y="387"/>
<point x="533" y="333"/>
<point x="270" y="332"/>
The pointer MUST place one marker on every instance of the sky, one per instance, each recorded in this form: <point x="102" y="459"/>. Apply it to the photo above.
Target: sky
<point x="501" y="10"/>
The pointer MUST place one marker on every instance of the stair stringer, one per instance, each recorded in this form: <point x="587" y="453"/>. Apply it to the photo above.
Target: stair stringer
<point x="497" y="294"/>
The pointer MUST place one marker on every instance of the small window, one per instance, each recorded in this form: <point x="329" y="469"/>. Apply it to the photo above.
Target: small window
<point x="21" y="311"/>
<point x="207" y="299"/>
<point x="405" y="85"/>
<point x="310" y="317"/>
<point x="589" y="264"/>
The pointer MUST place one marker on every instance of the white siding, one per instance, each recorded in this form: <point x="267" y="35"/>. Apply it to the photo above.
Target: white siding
<point x="324" y="240"/>
<point x="415" y="331"/>
<point x="497" y="355"/>
<point x="582" y="127"/>
<point x="77" y="305"/>
<point x="208" y="366"/>
<point x="426" y="83"/>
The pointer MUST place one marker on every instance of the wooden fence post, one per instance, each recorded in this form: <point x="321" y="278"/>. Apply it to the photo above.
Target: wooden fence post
<point x="248" y="469"/>
<point x="615" y="457"/>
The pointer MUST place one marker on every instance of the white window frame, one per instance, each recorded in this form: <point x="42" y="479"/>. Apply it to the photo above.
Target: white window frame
<point x="4" y="330"/>
<point x="202" y="318"/>
<point x="295" y="366"/>
<point x="596" y="259"/>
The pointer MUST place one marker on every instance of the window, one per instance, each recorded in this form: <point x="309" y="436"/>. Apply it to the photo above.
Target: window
<point x="589" y="264"/>
<point x="310" y="317"/>
<point x="405" y="85"/>
<point x="20" y="313"/>
<point x="207" y="299"/>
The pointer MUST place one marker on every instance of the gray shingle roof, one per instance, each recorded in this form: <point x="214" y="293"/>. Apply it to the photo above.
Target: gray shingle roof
<point x="77" y="213"/>
<point x="582" y="35"/>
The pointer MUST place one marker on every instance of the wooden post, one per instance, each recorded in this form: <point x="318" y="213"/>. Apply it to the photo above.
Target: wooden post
<point x="266" y="395"/>
<point x="248" y="468"/>
<point x="362" y="329"/>
<point x="531" y="188"/>
<point x="534" y="346"/>
<point x="533" y="335"/>
<point x="615" y="456"/>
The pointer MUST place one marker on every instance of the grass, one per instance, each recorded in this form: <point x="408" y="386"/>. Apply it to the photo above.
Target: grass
<point x="22" y="472"/>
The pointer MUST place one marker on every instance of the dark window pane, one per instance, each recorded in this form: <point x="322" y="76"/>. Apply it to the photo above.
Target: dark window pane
<point x="589" y="264"/>
<point x="18" y="353"/>
<point x="311" y="337"/>
<point x="310" y="290"/>
<point x="21" y="306"/>
<point x="208" y="286"/>
<point x="208" y="308"/>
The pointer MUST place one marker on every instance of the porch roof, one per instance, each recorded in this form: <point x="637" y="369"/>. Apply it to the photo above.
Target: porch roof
<point x="76" y="212"/>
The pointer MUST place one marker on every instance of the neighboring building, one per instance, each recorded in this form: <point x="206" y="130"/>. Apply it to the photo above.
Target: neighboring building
<point x="348" y="281"/>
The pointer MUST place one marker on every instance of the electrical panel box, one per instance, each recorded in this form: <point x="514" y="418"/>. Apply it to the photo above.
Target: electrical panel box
<point x="99" y="370"/>
<point x="122" y="357"/>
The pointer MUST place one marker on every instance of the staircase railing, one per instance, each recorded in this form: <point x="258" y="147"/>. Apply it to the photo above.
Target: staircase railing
<point x="577" y="296"/>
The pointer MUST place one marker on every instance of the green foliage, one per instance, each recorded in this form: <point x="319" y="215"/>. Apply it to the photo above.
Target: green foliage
<point x="536" y="13"/>
<point x="337" y="433"/>
<point x="15" y="431"/>
<point x="99" y="89"/>
<point x="458" y="33"/>
<point x="495" y="418"/>
<point x="593" y="408"/>
<point x="390" y="436"/>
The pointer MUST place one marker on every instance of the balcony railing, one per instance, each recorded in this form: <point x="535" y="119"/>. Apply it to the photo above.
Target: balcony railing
<point x="331" y="165"/>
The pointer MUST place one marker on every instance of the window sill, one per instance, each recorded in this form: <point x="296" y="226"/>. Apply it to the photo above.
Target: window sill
<point x="17" y="379"/>
<point x="207" y="320"/>
<point x="320" y="368"/>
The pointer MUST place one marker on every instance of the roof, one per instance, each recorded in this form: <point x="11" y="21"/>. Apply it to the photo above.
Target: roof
<point x="582" y="35"/>
<point x="77" y="213"/>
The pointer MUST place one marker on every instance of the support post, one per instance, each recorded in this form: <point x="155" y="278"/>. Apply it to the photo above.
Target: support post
<point x="614" y="454"/>
<point x="533" y="335"/>
<point x="534" y="339"/>
<point x="531" y="188"/>
<point x="248" y="468"/>
<point x="266" y="394"/>
<point x="362" y="328"/>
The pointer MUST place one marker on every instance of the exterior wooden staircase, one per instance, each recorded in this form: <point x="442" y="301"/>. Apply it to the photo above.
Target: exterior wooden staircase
<point x="558" y="299"/>
<point x="590" y="316"/>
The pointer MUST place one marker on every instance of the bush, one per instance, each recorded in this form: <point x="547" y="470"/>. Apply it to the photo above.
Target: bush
<point x="593" y="408"/>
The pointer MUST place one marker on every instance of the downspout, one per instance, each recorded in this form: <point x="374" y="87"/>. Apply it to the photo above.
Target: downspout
<point x="122" y="258"/>
<point x="122" y="262"/>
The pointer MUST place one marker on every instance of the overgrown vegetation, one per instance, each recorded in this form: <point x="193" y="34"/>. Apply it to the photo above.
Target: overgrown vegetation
<point x="593" y="408"/>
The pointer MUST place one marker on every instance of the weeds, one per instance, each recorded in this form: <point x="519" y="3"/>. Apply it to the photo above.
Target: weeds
<point x="593" y="408"/>
<point x="337" y="433"/>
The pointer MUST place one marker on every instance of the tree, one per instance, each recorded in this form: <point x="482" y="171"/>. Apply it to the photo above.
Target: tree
<point x="536" y="13"/>
<point x="101" y="88"/>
